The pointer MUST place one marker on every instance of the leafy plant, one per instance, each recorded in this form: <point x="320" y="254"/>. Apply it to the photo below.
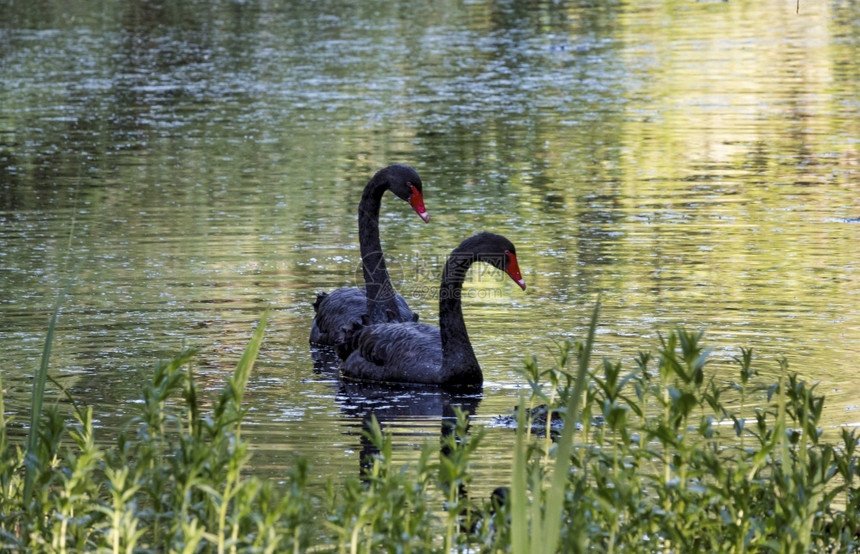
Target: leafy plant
<point x="663" y="457"/>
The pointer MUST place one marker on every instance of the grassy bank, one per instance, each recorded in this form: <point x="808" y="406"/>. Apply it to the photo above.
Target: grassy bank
<point x="657" y="457"/>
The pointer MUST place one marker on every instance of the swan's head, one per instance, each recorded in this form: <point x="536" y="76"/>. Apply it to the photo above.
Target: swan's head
<point x="497" y="251"/>
<point x="406" y="184"/>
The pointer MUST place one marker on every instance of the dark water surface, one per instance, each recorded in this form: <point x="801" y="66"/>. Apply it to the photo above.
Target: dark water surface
<point x="190" y="165"/>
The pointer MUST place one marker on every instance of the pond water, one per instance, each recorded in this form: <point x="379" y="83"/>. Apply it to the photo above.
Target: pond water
<point x="190" y="165"/>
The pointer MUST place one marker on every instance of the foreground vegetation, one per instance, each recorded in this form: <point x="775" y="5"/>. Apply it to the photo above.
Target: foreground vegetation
<point x="658" y="457"/>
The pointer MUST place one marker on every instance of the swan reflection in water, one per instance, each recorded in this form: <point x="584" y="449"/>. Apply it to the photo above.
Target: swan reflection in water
<point x="413" y="414"/>
<point x="408" y="410"/>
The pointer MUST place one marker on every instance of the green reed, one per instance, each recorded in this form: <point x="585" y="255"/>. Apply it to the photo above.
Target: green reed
<point x="662" y="456"/>
<point x="663" y="461"/>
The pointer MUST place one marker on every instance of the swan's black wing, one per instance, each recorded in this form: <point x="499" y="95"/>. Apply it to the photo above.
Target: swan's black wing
<point x="395" y="353"/>
<point x="335" y="312"/>
<point x="340" y="312"/>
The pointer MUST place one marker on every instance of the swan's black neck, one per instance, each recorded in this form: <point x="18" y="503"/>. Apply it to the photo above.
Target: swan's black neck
<point x="380" y="292"/>
<point x="459" y="363"/>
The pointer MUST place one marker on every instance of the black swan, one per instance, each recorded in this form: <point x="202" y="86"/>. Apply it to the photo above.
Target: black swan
<point x="342" y="308"/>
<point x="417" y="353"/>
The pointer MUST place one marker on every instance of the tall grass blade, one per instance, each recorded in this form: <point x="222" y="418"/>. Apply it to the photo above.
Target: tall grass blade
<point x="555" y="495"/>
<point x="234" y="392"/>
<point x="519" y="522"/>
<point x="39" y="381"/>
<point x="246" y="362"/>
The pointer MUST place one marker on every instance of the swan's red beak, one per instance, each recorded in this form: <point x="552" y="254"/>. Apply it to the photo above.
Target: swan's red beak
<point x="513" y="269"/>
<point x="417" y="203"/>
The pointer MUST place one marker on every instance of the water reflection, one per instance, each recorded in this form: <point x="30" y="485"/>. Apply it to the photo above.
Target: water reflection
<point x="695" y="163"/>
<point x="408" y="412"/>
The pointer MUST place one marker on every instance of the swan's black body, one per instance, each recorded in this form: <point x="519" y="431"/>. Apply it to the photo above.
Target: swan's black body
<point x="417" y="353"/>
<point x="342" y="309"/>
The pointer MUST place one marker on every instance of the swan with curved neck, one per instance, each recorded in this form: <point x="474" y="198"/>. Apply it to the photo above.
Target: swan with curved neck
<point x="343" y="308"/>
<point x="421" y="354"/>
